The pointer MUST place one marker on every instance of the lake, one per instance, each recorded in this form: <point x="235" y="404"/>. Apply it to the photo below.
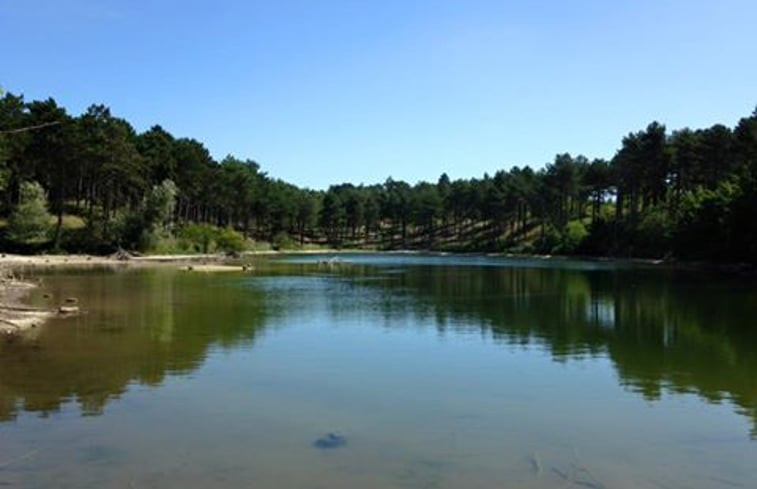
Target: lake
<point x="430" y="372"/>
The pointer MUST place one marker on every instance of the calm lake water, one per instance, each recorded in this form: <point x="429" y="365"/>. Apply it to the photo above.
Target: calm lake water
<point x="438" y="372"/>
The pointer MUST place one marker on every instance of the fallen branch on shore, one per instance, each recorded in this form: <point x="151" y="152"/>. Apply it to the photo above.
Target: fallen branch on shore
<point x="10" y="323"/>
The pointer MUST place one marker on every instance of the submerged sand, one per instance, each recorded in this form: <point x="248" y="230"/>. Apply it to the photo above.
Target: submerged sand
<point x="15" y="286"/>
<point x="14" y="315"/>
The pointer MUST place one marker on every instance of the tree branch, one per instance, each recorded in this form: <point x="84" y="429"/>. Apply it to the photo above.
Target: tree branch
<point x="30" y="128"/>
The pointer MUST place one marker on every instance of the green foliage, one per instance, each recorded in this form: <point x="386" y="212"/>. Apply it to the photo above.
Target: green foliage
<point x="160" y="205"/>
<point x="572" y="237"/>
<point x="143" y="227"/>
<point x="198" y="237"/>
<point x="600" y="240"/>
<point x="654" y="233"/>
<point x="30" y="221"/>
<point x="204" y="238"/>
<point x="549" y="241"/>
<point x="168" y="245"/>
<point x="230" y="241"/>
<point x="4" y="170"/>
<point x="521" y="249"/>
<point x="692" y="194"/>
<point x="333" y="217"/>
<point x="704" y="228"/>
<point x="282" y="241"/>
<point x="131" y="230"/>
<point x="553" y="240"/>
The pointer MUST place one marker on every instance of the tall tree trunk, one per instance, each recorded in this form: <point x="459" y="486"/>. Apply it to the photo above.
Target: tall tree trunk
<point x="59" y="223"/>
<point x="619" y="198"/>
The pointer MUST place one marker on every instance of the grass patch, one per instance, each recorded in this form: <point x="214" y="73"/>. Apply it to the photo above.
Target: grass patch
<point x="71" y="221"/>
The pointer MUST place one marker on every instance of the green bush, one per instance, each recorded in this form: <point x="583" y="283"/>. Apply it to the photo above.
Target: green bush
<point x="549" y="242"/>
<point x="230" y="241"/>
<point x="198" y="237"/>
<point x="30" y="221"/>
<point x="703" y="229"/>
<point x="654" y="234"/>
<point x="573" y="234"/>
<point x="205" y="238"/>
<point x="282" y="241"/>
<point x="88" y="239"/>
<point x="128" y="229"/>
<point x="169" y="245"/>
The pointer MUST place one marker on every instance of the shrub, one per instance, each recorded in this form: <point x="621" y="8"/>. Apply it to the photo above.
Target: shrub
<point x="654" y="233"/>
<point x="575" y="232"/>
<point x="129" y="230"/>
<point x="230" y="241"/>
<point x="549" y="242"/>
<point x="282" y="241"/>
<point x="30" y="222"/>
<point x="199" y="237"/>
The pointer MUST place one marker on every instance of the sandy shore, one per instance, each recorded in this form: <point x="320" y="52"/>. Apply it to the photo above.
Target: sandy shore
<point x="16" y="316"/>
<point x="78" y="260"/>
<point x="83" y="260"/>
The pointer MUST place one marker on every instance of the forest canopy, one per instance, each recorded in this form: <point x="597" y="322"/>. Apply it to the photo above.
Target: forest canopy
<point x="92" y="183"/>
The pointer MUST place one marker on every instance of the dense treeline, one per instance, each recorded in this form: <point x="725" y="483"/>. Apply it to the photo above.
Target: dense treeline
<point x="690" y="194"/>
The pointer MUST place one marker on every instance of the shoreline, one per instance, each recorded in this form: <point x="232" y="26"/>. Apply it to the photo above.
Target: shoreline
<point x="219" y="262"/>
<point x="741" y="268"/>
<point x="17" y="316"/>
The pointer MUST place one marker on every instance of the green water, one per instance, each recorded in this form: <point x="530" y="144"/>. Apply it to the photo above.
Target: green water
<point x="439" y="372"/>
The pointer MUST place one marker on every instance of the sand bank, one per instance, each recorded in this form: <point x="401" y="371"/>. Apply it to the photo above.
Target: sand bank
<point x="16" y="270"/>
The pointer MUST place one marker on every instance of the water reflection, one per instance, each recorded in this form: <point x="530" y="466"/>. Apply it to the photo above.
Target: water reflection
<point x="138" y="327"/>
<point x="664" y="332"/>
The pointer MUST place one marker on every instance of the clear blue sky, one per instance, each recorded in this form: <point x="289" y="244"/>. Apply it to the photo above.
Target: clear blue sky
<point x="322" y="92"/>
